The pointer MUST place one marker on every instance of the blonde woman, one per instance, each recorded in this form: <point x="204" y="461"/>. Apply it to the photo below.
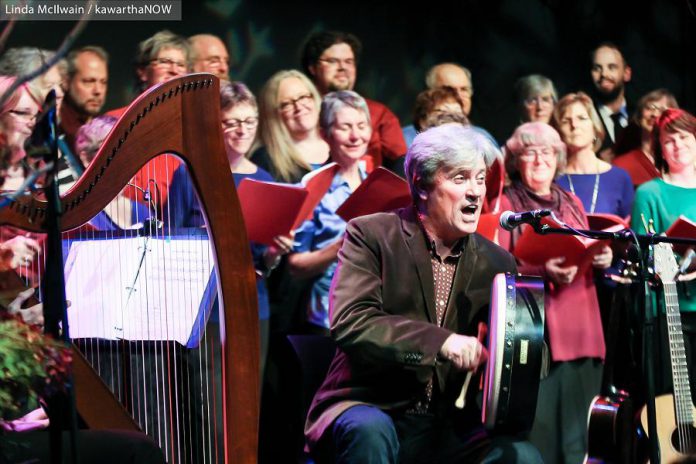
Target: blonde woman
<point x="601" y="187"/>
<point x="289" y="116"/>
<point x="17" y="119"/>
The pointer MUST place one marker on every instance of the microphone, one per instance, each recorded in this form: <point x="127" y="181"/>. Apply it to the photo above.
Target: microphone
<point x="510" y="220"/>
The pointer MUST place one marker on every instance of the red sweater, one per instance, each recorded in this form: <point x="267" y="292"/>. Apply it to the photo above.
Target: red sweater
<point x="387" y="139"/>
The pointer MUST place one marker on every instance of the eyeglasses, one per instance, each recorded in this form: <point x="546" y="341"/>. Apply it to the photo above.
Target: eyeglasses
<point x="24" y="114"/>
<point x="531" y="153"/>
<point x="302" y="100"/>
<point x="333" y="62"/>
<point x="167" y="63"/>
<point x="234" y="124"/>
<point x="539" y="100"/>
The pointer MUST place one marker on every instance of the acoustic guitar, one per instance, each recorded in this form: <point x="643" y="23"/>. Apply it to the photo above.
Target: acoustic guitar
<point x="674" y="413"/>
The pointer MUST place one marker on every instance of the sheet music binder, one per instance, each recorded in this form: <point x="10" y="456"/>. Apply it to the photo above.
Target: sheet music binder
<point x="108" y="283"/>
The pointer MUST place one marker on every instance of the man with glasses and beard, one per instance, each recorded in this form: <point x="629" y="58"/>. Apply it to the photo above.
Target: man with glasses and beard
<point x="330" y="59"/>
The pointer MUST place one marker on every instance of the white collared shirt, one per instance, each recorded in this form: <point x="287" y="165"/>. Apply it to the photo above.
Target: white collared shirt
<point x="605" y="113"/>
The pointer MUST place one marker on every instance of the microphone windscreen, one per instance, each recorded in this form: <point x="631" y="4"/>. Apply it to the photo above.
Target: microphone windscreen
<point x="505" y="219"/>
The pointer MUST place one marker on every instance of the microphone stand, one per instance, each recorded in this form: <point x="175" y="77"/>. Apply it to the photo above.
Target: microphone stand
<point x="60" y="407"/>
<point x="644" y="243"/>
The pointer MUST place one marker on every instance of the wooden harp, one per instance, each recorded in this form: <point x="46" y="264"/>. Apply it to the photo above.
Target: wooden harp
<point x="180" y="117"/>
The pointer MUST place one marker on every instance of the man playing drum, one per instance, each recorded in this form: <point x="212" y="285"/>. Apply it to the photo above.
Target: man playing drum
<point x="410" y="289"/>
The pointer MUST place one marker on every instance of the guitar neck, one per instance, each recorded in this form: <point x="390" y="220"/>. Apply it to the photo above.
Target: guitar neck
<point x="680" y="374"/>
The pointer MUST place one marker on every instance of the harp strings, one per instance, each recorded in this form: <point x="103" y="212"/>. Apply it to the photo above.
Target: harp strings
<point x="129" y="361"/>
<point x="171" y="390"/>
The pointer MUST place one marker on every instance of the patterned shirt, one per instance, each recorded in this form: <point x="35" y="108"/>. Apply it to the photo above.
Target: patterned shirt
<point x="443" y="278"/>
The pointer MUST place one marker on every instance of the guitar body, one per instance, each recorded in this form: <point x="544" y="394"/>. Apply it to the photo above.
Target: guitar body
<point x="610" y="437"/>
<point x="611" y="431"/>
<point x="674" y="414"/>
<point x="667" y="433"/>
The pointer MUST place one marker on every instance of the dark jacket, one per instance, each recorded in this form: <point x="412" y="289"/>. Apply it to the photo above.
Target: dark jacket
<point x="382" y="312"/>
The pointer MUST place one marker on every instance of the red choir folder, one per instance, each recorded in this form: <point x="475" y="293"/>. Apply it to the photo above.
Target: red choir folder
<point x="488" y="226"/>
<point x="603" y="221"/>
<point x="683" y="227"/>
<point x="536" y="249"/>
<point x="317" y="184"/>
<point x="271" y="209"/>
<point x="495" y="181"/>
<point x="381" y="191"/>
<point x="610" y="223"/>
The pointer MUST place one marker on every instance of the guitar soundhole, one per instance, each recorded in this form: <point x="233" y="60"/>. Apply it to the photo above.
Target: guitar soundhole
<point x="684" y="439"/>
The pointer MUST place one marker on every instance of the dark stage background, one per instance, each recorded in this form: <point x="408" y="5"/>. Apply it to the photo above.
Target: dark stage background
<point x="499" y="40"/>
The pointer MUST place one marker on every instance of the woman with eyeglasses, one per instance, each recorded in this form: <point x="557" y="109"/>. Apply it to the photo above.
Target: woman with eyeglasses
<point x="239" y="123"/>
<point x="535" y="155"/>
<point x="18" y="249"/>
<point x="21" y="61"/>
<point x="638" y="160"/>
<point x="289" y="112"/>
<point x="17" y="118"/>
<point x="536" y="96"/>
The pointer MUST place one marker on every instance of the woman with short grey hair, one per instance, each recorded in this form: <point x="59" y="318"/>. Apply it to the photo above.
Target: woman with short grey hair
<point x="334" y="101"/>
<point x="21" y="61"/>
<point x="573" y="325"/>
<point x="536" y="97"/>
<point x="533" y="134"/>
<point x="345" y="125"/>
<point x="161" y="57"/>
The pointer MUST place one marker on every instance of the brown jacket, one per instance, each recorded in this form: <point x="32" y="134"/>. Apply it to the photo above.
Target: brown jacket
<point x="383" y="317"/>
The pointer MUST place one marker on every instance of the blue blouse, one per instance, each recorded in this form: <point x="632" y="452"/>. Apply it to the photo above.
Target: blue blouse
<point x="614" y="191"/>
<point x="324" y="228"/>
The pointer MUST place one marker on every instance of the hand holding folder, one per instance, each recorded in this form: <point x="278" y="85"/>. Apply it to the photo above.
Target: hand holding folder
<point x="683" y="227"/>
<point x="271" y="209"/>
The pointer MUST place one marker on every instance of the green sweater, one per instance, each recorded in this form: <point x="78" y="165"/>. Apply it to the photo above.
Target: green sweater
<point x="664" y="203"/>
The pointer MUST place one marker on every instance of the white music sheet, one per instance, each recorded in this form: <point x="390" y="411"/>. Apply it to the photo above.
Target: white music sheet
<point x="140" y="288"/>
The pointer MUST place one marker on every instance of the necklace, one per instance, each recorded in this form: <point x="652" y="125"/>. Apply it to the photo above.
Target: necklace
<point x="595" y="190"/>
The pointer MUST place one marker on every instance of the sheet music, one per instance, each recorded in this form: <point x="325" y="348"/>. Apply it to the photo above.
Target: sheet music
<point x="139" y="288"/>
